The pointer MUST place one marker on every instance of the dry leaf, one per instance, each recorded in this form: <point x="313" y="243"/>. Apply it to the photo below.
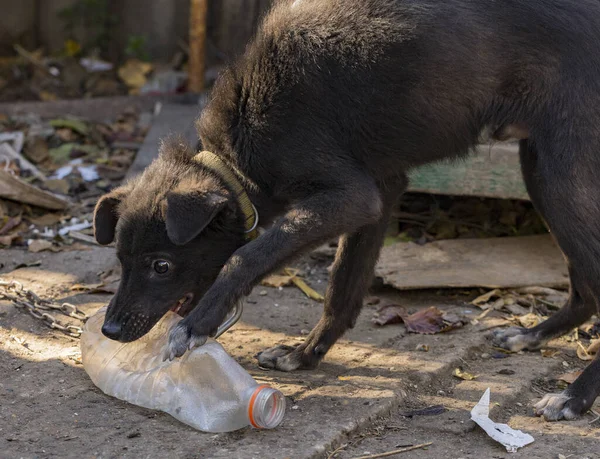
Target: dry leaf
<point x="308" y="291"/>
<point x="277" y="280"/>
<point x="108" y="288"/>
<point x="569" y="378"/>
<point x="486" y="297"/>
<point x="582" y="353"/>
<point x="549" y="352"/>
<point x="389" y="314"/>
<point x="9" y="224"/>
<point x="134" y="72"/>
<point x="594" y="346"/>
<point x="39" y="245"/>
<point x="430" y="321"/>
<point x="85" y="287"/>
<point x="529" y="320"/>
<point x="463" y="375"/>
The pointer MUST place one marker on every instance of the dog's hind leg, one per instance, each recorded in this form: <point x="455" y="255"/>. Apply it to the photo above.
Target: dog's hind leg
<point x="563" y="186"/>
<point x="350" y="279"/>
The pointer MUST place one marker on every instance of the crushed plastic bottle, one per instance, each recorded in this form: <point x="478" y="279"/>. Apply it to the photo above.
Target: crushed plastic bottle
<point x="206" y="388"/>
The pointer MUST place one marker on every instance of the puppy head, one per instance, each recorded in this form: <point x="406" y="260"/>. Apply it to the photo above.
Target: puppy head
<point x="174" y="227"/>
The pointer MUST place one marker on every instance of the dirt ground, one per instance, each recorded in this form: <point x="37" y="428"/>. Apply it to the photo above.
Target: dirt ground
<point x="357" y="403"/>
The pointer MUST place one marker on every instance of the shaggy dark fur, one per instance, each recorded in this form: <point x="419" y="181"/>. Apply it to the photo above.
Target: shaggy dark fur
<point x="321" y="118"/>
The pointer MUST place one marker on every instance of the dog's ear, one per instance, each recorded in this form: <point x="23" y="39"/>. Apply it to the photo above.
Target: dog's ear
<point x="188" y="213"/>
<point x="106" y="216"/>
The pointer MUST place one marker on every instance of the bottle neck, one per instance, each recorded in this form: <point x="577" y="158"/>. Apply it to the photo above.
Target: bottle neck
<point x="266" y="407"/>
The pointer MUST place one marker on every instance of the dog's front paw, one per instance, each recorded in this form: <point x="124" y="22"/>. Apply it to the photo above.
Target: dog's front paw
<point x="181" y="339"/>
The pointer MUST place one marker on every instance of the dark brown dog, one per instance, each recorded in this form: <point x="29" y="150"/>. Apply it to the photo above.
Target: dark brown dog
<point x="319" y="121"/>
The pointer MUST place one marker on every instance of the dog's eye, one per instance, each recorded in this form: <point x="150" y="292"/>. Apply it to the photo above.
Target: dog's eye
<point x="161" y="266"/>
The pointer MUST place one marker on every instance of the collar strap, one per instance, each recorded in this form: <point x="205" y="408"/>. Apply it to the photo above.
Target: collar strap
<point x="216" y="165"/>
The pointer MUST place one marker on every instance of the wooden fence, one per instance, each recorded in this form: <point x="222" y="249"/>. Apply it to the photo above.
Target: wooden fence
<point x="162" y="24"/>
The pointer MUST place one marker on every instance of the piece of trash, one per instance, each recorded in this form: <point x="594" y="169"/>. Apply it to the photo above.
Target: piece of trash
<point x="429" y="411"/>
<point x="463" y="375"/>
<point x="88" y="173"/>
<point x="510" y="438"/>
<point x="276" y="280"/>
<point x="95" y="65"/>
<point x="16" y="137"/>
<point x="75" y="227"/>
<point x="570" y="377"/>
<point x="422" y="348"/>
<point x="8" y="152"/>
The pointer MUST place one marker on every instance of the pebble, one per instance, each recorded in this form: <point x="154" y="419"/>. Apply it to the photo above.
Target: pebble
<point x="263" y="293"/>
<point x="565" y="364"/>
<point x="485" y="355"/>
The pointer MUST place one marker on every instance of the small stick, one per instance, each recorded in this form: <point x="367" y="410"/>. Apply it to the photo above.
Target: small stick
<point x="337" y="450"/>
<point x="396" y="451"/>
<point x="597" y="417"/>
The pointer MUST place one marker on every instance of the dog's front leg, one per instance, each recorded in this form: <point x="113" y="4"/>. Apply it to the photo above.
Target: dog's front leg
<point x="350" y="279"/>
<point x="341" y="208"/>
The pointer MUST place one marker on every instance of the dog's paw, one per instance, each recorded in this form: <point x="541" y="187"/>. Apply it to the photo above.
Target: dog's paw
<point x="286" y="358"/>
<point x="514" y="339"/>
<point x="554" y="407"/>
<point x="181" y="339"/>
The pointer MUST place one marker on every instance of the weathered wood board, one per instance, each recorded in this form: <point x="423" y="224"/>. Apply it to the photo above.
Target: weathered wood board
<point x="492" y="172"/>
<point x="492" y="263"/>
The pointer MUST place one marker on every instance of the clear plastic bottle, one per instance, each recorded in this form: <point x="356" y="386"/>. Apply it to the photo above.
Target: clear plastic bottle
<point x="206" y="388"/>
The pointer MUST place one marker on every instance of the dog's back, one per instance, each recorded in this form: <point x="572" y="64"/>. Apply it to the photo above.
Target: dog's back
<point x="407" y="81"/>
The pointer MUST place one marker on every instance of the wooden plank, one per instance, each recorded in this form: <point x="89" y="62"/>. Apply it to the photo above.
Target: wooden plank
<point x="494" y="172"/>
<point x="491" y="263"/>
<point x="173" y="119"/>
<point x="15" y="189"/>
<point x="97" y="108"/>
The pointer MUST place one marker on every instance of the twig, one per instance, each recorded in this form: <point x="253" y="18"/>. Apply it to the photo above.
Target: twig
<point x="597" y="417"/>
<point x="337" y="450"/>
<point x="396" y="451"/>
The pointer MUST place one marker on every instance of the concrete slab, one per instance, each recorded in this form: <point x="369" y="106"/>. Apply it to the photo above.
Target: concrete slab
<point x="50" y="408"/>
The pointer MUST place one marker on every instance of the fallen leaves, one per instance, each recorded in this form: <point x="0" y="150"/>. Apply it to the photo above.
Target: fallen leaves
<point x="427" y="321"/>
<point x="290" y="276"/>
<point x="133" y="73"/>
<point x="570" y="377"/>
<point x="460" y="374"/>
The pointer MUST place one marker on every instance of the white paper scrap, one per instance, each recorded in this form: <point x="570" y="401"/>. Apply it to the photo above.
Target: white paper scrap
<point x="511" y="439"/>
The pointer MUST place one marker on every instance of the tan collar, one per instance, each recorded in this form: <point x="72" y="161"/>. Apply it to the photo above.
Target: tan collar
<point x="217" y="166"/>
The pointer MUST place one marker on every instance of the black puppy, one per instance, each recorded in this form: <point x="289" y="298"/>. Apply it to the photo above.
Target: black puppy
<point x="318" y="123"/>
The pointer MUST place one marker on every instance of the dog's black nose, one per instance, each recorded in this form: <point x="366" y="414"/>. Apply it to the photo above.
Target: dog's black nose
<point x="111" y="330"/>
